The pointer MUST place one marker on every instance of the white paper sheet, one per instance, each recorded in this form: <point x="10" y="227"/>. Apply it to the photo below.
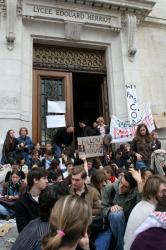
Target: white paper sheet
<point x="55" y="121"/>
<point x="56" y="107"/>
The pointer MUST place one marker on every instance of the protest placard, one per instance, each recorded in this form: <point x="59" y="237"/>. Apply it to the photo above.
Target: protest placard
<point x="124" y="131"/>
<point x="132" y="104"/>
<point x="90" y="146"/>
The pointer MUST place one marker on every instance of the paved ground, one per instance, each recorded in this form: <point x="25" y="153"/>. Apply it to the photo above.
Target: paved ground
<point x="11" y="235"/>
<point x="5" y="243"/>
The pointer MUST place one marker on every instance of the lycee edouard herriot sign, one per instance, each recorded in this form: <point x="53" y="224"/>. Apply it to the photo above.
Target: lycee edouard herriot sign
<point x="59" y="13"/>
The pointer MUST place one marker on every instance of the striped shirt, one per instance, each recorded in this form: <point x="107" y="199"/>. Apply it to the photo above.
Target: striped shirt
<point x="31" y="234"/>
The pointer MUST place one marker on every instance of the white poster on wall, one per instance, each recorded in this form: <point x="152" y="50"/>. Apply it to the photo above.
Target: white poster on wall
<point x="132" y="104"/>
<point x="55" y="121"/>
<point x="56" y="107"/>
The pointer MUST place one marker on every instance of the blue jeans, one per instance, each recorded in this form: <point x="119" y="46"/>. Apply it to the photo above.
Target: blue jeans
<point x="103" y="240"/>
<point x="6" y="211"/>
<point x="117" y="225"/>
<point x="140" y="164"/>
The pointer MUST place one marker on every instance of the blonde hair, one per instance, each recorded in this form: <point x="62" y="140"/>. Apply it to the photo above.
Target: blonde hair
<point x="100" y="119"/>
<point x="70" y="215"/>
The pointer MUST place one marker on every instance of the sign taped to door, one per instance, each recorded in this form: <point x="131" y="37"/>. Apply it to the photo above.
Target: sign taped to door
<point x="90" y="146"/>
<point x="57" y="107"/>
<point x="55" y="121"/>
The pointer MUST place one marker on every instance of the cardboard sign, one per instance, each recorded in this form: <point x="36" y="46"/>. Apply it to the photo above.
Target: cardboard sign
<point x="124" y="132"/>
<point x="90" y="146"/>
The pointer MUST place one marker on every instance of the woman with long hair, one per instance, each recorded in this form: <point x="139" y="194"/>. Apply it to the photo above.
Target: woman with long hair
<point x="141" y="147"/>
<point x="9" y="147"/>
<point x="69" y="220"/>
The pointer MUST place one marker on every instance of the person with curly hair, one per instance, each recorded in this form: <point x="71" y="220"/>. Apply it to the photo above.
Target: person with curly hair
<point x="141" y="147"/>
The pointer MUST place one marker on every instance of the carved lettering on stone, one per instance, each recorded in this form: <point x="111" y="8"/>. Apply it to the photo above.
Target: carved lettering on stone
<point x="6" y="101"/>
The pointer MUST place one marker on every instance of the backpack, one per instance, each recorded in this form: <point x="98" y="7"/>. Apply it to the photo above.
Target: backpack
<point x="158" y="161"/>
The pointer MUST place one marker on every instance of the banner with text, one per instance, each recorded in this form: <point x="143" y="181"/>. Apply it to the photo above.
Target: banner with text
<point x="132" y="104"/>
<point x="90" y="146"/>
<point x="124" y="132"/>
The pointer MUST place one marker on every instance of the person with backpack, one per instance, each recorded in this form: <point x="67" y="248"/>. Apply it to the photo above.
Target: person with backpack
<point x="158" y="161"/>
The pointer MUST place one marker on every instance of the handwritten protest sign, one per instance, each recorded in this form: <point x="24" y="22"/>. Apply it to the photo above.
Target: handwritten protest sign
<point x="90" y="146"/>
<point x="132" y="104"/>
<point x="124" y="132"/>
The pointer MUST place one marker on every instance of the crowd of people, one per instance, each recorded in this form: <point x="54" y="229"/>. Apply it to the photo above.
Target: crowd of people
<point x="61" y="201"/>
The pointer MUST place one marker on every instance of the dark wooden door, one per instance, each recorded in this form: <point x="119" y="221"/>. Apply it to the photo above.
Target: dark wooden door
<point x="53" y="86"/>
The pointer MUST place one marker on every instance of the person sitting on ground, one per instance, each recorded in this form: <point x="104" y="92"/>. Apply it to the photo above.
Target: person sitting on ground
<point x="152" y="191"/>
<point x="34" y="160"/>
<point x="11" y="191"/>
<point x="110" y="173"/>
<point x="118" y="200"/>
<point x="79" y="187"/>
<point x="155" y="144"/>
<point x="21" y="164"/>
<point x="118" y="160"/>
<point x="24" y="143"/>
<point x="38" y="148"/>
<point x="49" y="157"/>
<point x="9" y="147"/>
<point x="152" y="233"/>
<point x="27" y="208"/>
<point x="14" y="167"/>
<point x="145" y="174"/>
<point x="107" y="157"/>
<point x="54" y="171"/>
<point x="68" y="174"/>
<point x="69" y="221"/>
<point x="126" y="154"/>
<point x="97" y="181"/>
<point x="32" y="234"/>
<point x="65" y="157"/>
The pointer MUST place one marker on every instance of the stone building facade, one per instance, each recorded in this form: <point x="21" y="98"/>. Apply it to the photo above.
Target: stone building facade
<point x="83" y="52"/>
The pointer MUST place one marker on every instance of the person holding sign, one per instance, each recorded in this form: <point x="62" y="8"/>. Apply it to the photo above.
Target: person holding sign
<point x="141" y="147"/>
<point x="85" y="130"/>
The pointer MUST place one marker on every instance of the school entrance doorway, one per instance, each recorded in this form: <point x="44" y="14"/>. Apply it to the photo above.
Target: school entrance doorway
<point x="78" y="77"/>
<point x="89" y="98"/>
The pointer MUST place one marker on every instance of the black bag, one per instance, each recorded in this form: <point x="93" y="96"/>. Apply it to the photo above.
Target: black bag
<point x="7" y="202"/>
<point x="99" y="224"/>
